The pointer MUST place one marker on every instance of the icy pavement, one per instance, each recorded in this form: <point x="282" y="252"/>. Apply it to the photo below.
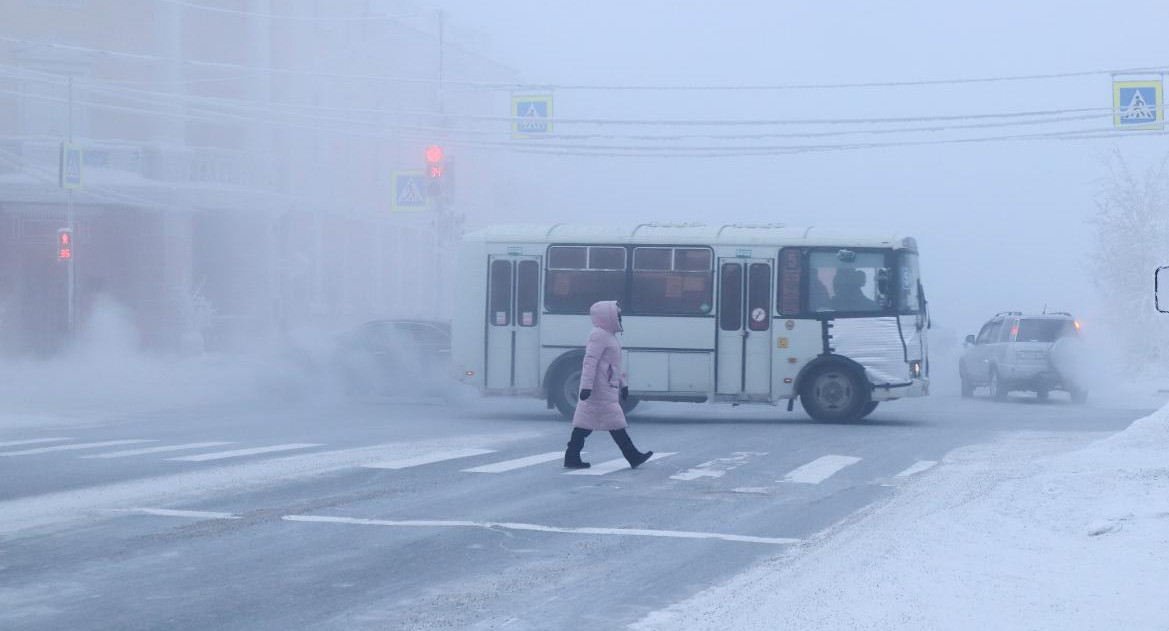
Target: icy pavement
<point x="1042" y="539"/>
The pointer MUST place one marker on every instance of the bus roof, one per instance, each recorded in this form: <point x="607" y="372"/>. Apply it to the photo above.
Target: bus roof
<point x="684" y="234"/>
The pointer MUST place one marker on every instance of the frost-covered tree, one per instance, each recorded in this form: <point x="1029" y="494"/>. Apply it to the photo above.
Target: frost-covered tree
<point x="1132" y="240"/>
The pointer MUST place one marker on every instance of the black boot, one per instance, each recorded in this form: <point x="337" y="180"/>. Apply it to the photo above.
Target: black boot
<point x="635" y="457"/>
<point x="575" y="444"/>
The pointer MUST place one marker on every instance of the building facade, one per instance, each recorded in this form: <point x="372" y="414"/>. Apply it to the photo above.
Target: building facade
<point x="238" y="159"/>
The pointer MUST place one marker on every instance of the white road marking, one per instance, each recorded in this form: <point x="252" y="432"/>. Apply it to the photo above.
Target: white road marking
<point x="154" y="450"/>
<point x="718" y="467"/>
<point x="427" y="458"/>
<point x="917" y="467"/>
<point x="627" y="532"/>
<point x="614" y="465"/>
<point x="91" y="503"/>
<point x="820" y="469"/>
<point x="44" y="450"/>
<point x="14" y="443"/>
<point x="237" y="453"/>
<point x="166" y="512"/>
<point x="518" y="463"/>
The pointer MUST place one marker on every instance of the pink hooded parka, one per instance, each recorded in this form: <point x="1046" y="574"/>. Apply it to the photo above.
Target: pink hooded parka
<point x="602" y="372"/>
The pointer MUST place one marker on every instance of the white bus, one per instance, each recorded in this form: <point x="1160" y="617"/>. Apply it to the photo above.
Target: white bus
<point x="735" y="314"/>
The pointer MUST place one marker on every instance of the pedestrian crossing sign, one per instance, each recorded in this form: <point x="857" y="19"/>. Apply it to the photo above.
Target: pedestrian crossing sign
<point x="1138" y="104"/>
<point x="72" y="164"/>
<point x="409" y="191"/>
<point x="531" y="116"/>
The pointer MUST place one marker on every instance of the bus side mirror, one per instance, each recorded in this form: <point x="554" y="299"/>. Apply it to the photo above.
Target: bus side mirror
<point x="969" y="340"/>
<point x="1160" y="277"/>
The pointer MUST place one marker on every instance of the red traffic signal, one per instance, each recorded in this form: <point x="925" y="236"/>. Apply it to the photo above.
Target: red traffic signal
<point x="434" y="154"/>
<point x="64" y="244"/>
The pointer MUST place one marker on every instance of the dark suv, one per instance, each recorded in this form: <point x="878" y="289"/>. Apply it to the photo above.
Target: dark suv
<point x="1016" y="352"/>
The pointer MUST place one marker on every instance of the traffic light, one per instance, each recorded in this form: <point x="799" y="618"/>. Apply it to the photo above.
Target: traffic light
<point x="435" y="170"/>
<point x="434" y="165"/>
<point x="65" y="245"/>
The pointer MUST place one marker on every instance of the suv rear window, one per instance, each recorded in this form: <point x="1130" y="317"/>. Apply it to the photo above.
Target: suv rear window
<point x="1044" y="330"/>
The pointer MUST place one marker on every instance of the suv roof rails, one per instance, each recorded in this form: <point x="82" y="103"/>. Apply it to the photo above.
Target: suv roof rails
<point x="1003" y="313"/>
<point x="1059" y="313"/>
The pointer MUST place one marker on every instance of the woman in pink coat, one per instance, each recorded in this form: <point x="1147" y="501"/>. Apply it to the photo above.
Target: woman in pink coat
<point x="602" y="388"/>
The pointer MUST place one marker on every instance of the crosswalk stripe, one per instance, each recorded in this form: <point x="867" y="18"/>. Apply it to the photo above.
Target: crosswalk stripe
<point x="237" y="453"/>
<point x="45" y="450"/>
<point x="154" y="450"/>
<point x="614" y="465"/>
<point x="167" y="512"/>
<point x="518" y="463"/>
<point x="718" y="467"/>
<point x="820" y="469"/>
<point x="427" y="458"/>
<point x="917" y="467"/>
<point x="34" y="441"/>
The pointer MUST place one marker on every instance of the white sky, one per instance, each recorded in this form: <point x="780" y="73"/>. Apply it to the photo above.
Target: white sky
<point x="1001" y="225"/>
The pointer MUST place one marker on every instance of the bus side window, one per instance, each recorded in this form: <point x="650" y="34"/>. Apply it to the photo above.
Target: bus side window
<point x="579" y="276"/>
<point x="528" y="293"/>
<point x="499" y="303"/>
<point x="791" y="273"/>
<point x="730" y="307"/>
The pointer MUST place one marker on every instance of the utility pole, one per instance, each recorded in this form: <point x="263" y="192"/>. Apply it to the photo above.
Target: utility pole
<point x="439" y="210"/>
<point x="70" y="270"/>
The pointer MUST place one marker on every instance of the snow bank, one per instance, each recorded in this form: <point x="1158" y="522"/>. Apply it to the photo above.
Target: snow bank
<point x="1042" y="538"/>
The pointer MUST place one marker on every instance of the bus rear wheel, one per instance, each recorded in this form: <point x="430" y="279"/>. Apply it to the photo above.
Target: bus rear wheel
<point x="565" y="393"/>
<point x="834" y="392"/>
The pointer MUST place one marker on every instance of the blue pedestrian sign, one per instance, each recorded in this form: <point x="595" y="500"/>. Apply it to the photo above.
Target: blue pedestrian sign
<point x="409" y="191"/>
<point x="1138" y="104"/>
<point x="531" y="116"/>
<point x="72" y="166"/>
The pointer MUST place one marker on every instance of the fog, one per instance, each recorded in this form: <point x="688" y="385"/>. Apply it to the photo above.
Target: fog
<point x="1003" y="222"/>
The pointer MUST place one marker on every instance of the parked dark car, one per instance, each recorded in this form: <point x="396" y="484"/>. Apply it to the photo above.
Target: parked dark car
<point x="396" y="358"/>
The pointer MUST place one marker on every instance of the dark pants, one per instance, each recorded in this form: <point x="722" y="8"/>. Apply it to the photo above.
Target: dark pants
<point x="620" y="436"/>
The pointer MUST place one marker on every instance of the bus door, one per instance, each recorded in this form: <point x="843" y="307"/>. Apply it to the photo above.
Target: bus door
<point x="744" y="327"/>
<point x="513" y="319"/>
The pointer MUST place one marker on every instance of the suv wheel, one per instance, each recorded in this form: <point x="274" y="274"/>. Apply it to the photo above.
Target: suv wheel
<point x="998" y="391"/>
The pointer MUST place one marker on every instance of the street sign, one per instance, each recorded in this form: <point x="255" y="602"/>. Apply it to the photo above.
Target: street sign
<point x="531" y="116"/>
<point x="409" y="192"/>
<point x="72" y="165"/>
<point x="1138" y="104"/>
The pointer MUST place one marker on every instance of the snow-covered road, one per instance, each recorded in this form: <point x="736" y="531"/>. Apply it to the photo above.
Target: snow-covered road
<point x="376" y="514"/>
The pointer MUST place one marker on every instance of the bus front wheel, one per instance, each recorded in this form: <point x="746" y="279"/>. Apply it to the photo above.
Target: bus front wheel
<point x="834" y="392"/>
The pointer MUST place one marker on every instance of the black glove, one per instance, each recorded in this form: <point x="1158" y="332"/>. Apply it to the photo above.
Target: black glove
<point x="585" y="394"/>
<point x="624" y="392"/>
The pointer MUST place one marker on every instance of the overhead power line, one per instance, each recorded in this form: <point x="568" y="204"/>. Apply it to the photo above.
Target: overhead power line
<point x="277" y="16"/>
<point x="279" y="107"/>
<point x="509" y="85"/>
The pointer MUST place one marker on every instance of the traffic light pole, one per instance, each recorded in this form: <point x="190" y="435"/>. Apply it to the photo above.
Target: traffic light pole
<point x="71" y="274"/>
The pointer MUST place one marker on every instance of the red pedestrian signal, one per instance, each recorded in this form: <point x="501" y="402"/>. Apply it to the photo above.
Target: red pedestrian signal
<point x="64" y="244"/>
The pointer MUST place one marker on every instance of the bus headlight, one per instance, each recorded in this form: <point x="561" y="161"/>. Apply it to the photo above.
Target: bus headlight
<point x="915" y="368"/>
